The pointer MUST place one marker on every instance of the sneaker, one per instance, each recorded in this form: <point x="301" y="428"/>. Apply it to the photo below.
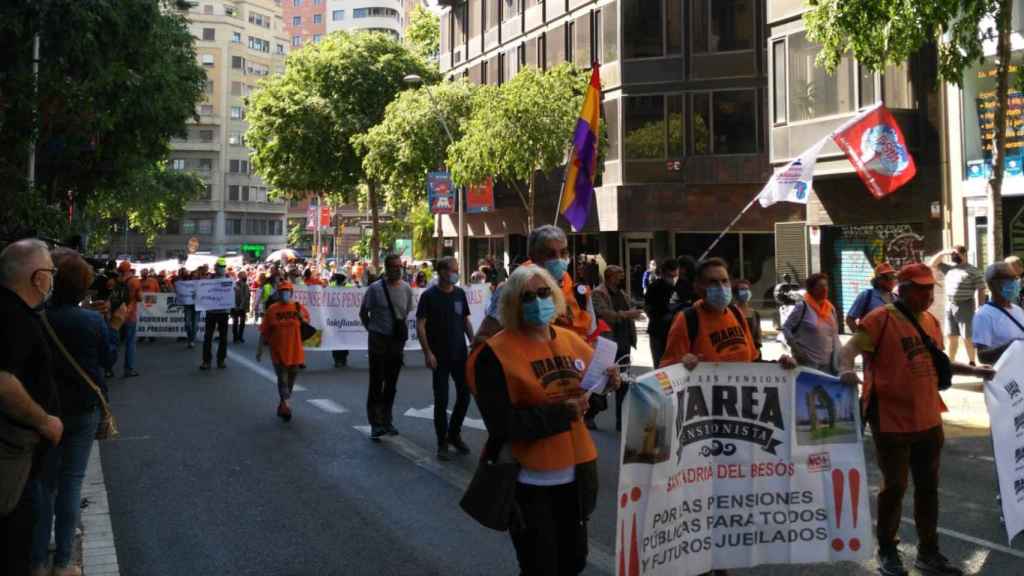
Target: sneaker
<point x="936" y="564"/>
<point x="391" y="430"/>
<point x="204" y="366"/>
<point x="443" y="454"/>
<point x="284" y="412"/>
<point x="377" y="432"/>
<point x="459" y="445"/>
<point x="130" y="374"/>
<point x="890" y="564"/>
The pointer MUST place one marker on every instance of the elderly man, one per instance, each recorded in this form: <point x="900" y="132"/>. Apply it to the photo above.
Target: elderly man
<point x="1001" y="321"/>
<point x="612" y="305"/>
<point x="27" y="393"/>
<point x="902" y="404"/>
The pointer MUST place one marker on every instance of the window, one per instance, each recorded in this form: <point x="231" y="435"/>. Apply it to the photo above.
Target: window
<point x="280" y="48"/>
<point x="812" y="92"/>
<point x="245" y="193"/>
<point x="236" y="37"/>
<point x="233" y="226"/>
<point x="338" y="15"/>
<point x="611" y="115"/>
<point x="296" y="20"/>
<point x="205" y="226"/>
<point x="510" y="9"/>
<point x="205" y="164"/>
<point x="260" y="19"/>
<point x="642" y="24"/>
<point x="645" y="127"/>
<point x="316" y="38"/>
<point x="236" y="139"/>
<point x="779" y="81"/>
<point x="177" y="164"/>
<point x="208" y="86"/>
<point x="233" y="192"/>
<point x="296" y="41"/>
<point x="316" y="2"/>
<point x="675" y="125"/>
<point x="207" y="9"/>
<point x="206" y="109"/>
<point x="673" y="27"/>
<point x="207" y="60"/>
<point x="570" y="32"/>
<point x="380" y="13"/>
<point x="238" y="166"/>
<point x="209" y="34"/>
<point x="610" y="33"/>
<point x="237" y="113"/>
<point x="701" y="120"/>
<point x="491" y="13"/>
<point x="236" y="88"/>
<point x="188" y="226"/>
<point x="898" y="87"/>
<point x="244" y="164"/>
<point x="722" y="25"/>
<point x="172" y="227"/>
<point x="866" y="87"/>
<point x="237" y="63"/>
<point x="259" y="44"/>
<point x="734" y="122"/>
<point x="206" y="135"/>
<point x="296" y="3"/>
<point x="581" y="45"/>
<point x="318" y="18"/>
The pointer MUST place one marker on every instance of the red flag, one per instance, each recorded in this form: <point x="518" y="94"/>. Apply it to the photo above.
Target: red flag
<point x="875" y="145"/>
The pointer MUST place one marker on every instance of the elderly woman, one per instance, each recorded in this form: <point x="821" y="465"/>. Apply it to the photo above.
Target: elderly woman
<point x="526" y="379"/>
<point x="92" y="342"/>
<point x="812" y="329"/>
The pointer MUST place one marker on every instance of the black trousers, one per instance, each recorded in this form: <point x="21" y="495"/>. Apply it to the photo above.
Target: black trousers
<point x="218" y="321"/>
<point x="16" y="537"/>
<point x="340" y="357"/>
<point x="237" y="325"/>
<point x="553" y="538"/>
<point x="380" y="400"/>
<point x="444" y="427"/>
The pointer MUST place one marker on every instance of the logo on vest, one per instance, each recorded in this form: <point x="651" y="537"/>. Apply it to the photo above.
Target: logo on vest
<point x="727" y="338"/>
<point x="557" y="368"/>
<point x="744" y="409"/>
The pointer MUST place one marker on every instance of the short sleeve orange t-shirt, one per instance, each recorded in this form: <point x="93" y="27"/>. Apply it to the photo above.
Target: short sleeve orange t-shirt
<point x="900" y="371"/>
<point x="281" y="328"/>
<point x="150" y="285"/>
<point x="721" y="338"/>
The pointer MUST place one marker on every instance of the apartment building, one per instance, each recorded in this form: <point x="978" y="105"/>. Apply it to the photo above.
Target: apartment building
<point x="304" y="21"/>
<point x="386" y="16"/>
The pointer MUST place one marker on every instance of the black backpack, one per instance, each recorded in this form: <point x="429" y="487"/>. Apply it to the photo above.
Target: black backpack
<point x="693" y="322"/>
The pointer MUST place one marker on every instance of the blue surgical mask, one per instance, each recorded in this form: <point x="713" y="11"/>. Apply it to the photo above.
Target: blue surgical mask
<point x="539" y="312"/>
<point x="743" y="296"/>
<point x="1011" y="290"/>
<point x="719" y="297"/>
<point x="557" y="268"/>
<point x="453" y="278"/>
<point x="286" y="297"/>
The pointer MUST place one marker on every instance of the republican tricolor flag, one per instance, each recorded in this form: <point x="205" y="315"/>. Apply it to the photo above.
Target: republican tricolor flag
<point x="581" y="171"/>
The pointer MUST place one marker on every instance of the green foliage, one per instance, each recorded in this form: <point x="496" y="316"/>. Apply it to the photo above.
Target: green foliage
<point x="298" y="236"/>
<point x="302" y="123"/>
<point x="648" y="141"/>
<point x="423" y="34"/>
<point x="422" y="224"/>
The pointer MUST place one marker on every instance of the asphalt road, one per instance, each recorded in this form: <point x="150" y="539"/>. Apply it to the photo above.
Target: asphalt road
<point x="207" y="481"/>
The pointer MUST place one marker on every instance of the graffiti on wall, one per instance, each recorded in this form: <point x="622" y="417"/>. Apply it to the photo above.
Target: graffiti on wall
<point x="859" y="249"/>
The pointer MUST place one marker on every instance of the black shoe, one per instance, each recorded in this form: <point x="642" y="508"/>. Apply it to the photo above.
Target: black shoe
<point x="377" y="432"/>
<point x="108" y="374"/>
<point x="130" y="374"/>
<point x="204" y="366"/>
<point x="459" y="445"/>
<point x="191" y="345"/>
<point x="590" y="423"/>
<point x="443" y="454"/>
<point x="936" y="564"/>
<point x="391" y="430"/>
<point x="242" y="340"/>
<point x="221" y="365"/>
<point x="890" y="564"/>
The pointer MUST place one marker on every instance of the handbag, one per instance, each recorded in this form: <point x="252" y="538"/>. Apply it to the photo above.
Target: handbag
<point x="306" y="330"/>
<point x="490" y="498"/>
<point x="943" y="366"/>
<point x="401" y="333"/>
<point x="107" y="430"/>
<point x="17" y="446"/>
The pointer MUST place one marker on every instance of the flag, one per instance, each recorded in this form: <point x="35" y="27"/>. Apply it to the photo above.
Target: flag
<point x="792" y="183"/>
<point x="875" y="145"/>
<point x="578" y="191"/>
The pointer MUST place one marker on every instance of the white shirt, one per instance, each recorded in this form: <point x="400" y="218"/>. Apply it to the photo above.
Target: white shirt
<point x="992" y="328"/>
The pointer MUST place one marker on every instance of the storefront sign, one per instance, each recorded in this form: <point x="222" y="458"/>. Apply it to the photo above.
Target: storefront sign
<point x="480" y="197"/>
<point x="979" y="108"/>
<point x="440" y="193"/>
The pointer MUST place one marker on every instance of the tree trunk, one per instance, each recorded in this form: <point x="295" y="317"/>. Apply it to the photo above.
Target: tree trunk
<point x="532" y="200"/>
<point x="375" y="221"/>
<point x="995" y="219"/>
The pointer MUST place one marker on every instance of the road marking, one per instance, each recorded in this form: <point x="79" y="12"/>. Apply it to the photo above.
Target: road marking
<point x="265" y="373"/>
<point x="976" y="541"/>
<point x="328" y="405"/>
<point x="428" y="414"/>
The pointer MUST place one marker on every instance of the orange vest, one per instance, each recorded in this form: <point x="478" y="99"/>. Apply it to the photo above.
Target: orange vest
<point x="721" y="338"/>
<point x="539" y="373"/>
<point x="901" y="373"/>
<point x="281" y="328"/>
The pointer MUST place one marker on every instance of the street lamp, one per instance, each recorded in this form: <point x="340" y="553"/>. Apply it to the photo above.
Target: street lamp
<point x="416" y="81"/>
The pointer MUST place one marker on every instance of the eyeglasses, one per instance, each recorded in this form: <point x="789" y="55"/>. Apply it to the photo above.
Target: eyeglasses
<point x="52" y="271"/>
<point x="529" y="296"/>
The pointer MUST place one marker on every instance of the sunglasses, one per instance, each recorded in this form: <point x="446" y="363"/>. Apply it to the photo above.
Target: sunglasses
<point x="528" y="296"/>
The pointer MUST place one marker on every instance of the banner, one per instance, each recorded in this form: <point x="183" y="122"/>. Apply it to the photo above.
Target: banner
<point x="875" y="146"/>
<point x="480" y="197"/>
<point x="185" y="290"/>
<point x="196" y="260"/>
<point x="215" y="294"/>
<point x="1004" y="396"/>
<point x="739" y="465"/>
<point x="162" y="316"/>
<point x="440" y="193"/>
<point x="793" y="183"/>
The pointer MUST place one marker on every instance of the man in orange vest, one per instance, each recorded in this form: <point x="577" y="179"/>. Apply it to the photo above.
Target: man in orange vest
<point x="901" y="402"/>
<point x="150" y="285"/>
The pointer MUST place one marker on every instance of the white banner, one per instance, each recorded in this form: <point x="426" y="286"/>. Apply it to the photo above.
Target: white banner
<point x="215" y="294"/>
<point x="185" y="291"/>
<point x="196" y="260"/>
<point x="794" y="182"/>
<point x="161" y="316"/>
<point x="739" y="465"/>
<point x="1004" y="396"/>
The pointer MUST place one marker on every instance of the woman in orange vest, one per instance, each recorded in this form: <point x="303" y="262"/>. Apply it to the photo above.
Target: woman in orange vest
<point x="526" y="379"/>
<point x="281" y="329"/>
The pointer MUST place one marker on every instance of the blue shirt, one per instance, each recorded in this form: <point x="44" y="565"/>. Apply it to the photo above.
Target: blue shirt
<point x="865" y="302"/>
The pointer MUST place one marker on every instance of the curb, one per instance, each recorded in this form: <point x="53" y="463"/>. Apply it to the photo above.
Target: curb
<point x="99" y="553"/>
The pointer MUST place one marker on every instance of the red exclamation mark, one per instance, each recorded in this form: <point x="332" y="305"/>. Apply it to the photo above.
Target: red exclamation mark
<point x="855" y="502"/>
<point x="622" y="533"/>
<point x="837" y="494"/>
<point x="634" y="553"/>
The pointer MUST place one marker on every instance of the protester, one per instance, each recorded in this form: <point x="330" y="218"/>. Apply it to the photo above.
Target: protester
<point x="526" y="380"/>
<point x="216" y="320"/>
<point x="901" y="402"/>
<point x="882" y="285"/>
<point x="743" y="295"/>
<point x="128" y="291"/>
<point x="658" y="307"/>
<point x="1017" y="265"/>
<point x="281" y="329"/>
<point x="386" y="305"/>
<point x="442" y="324"/>
<point x="91" y="340"/>
<point x="964" y="291"/>
<point x="478" y="277"/>
<point x="340" y="357"/>
<point x="28" y="396"/>
<point x="1000" y="322"/>
<point x="685" y="292"/>
<point x="612" y="305"/>
<point x="650" y="275"/>
<point x="149" y="284"/>
<point x="241" y="309"/>
<point x="812" y="328"/>
<point x="189" y="309"/>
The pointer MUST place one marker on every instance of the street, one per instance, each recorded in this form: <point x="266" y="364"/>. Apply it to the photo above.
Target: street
<point x="206" y="480"/>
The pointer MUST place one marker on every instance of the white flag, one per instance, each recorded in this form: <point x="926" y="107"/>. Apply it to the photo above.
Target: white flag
<point x="792" y="183"/>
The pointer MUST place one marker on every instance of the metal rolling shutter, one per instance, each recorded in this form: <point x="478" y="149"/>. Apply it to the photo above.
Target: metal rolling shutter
<point x="791" y="250"/>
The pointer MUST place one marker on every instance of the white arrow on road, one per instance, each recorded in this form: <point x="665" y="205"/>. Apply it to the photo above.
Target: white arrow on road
<point x="428" y="414"/>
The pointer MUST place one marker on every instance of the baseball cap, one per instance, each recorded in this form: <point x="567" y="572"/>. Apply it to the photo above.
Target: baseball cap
<point x="883" y="269"/>
<point x="285" y="285"/>
<point x="917" y="273"/>
<point x="124" y="266"/>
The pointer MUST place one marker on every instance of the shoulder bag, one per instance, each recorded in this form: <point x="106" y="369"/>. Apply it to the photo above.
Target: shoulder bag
<point x="306" y="330"/>
<point x="107" y="429"/>
<point x="943" y="366"/>
<point x="401" y="333"/>
<point x="490" y="498"/>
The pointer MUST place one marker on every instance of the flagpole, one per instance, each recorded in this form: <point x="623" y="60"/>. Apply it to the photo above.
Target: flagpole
<point x="565" y="173"/>
<point x="729" y="227"/>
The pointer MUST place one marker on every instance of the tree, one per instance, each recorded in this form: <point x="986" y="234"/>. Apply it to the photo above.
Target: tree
<point x="882" y="33"/>
<point x="519" y="129"/>
<point x="117" y="79"/>
<point x="302" y="124"/>
<point x="423" y="34"/>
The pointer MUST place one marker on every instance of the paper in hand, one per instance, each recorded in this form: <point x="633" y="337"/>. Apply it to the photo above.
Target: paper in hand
<point x="596" y="376"/>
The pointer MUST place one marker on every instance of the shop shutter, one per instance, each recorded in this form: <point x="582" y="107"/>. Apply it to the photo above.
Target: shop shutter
<point x="791" y="250"/>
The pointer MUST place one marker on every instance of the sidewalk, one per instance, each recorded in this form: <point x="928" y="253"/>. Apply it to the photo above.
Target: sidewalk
<point x="99" y="555"/>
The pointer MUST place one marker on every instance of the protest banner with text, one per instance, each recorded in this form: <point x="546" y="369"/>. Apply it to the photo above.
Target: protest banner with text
<point x="1004" y="396"/>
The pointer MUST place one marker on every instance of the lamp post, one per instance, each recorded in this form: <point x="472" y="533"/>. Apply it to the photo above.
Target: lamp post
<point x="416" y="80"/>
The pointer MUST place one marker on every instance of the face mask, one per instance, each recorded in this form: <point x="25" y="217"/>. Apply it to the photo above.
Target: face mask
<point x="719" y="297"/>
<point x="393" y="275"/>
<point x="453" y="278"/>
<point x="539" y="312"/>
<point x="286" y="297"/>
<point x="743" y="296"/>
<point x="557" y="268"/>
<point x="1011" y="290"/>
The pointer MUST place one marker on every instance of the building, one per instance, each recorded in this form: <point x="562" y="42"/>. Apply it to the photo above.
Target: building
<point x="387" y="16"/>
<point x="685" y="105"/>
<point x="238" y="43"/>
<point x="304" y="21"/>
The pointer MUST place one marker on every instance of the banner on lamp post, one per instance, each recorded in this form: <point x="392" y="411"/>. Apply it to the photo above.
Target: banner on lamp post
<point x="440" y="193"/>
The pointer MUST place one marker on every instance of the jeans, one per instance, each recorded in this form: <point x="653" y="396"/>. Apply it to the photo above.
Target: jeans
<point x="384" y="371"/>
<point x="218" y="321"/>
<point x="553" y="538"/>
<point x="237" y="325"/>
<point x="442" y="426"/>
<point x="285" y="380"/>
<point x="58" y="489"/>
<point x="340" y="357"/>
<point x="128" y="331"/>
<point x="190" y="322"/>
